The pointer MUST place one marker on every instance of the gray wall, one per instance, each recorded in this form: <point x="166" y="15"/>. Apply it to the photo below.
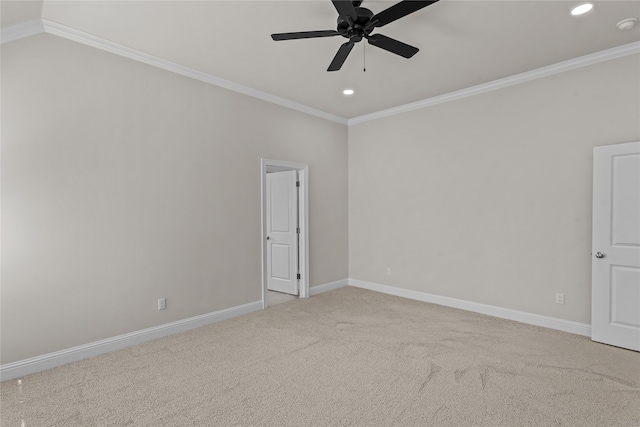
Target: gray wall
<point x="123" y="183"/>
<point x="488" y="198"/>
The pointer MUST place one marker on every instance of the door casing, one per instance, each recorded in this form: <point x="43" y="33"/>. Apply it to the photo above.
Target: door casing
<point x="269" y="165"/>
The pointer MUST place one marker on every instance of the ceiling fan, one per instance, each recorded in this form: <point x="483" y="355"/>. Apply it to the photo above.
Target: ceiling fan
<point x="356" y="23"/>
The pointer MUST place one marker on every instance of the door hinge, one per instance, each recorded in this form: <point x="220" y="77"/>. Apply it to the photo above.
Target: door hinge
<point x="298" y="276"/>
<point x="297" y="183"/>
<point x="298" y="230"/>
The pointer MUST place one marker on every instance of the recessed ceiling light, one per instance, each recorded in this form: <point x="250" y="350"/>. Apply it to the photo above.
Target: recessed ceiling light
<point x="582" y="9"/>
<point x="627" y="24"/>
<point x="348" y="91"/>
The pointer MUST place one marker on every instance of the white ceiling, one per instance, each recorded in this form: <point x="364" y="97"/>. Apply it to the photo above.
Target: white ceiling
<point x="462" y="43"/>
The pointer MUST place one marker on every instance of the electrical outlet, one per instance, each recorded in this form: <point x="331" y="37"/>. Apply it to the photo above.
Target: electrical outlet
<point x="559" y="298"/>
<point x="388" y="271"/>
<point x="162" y="303"/>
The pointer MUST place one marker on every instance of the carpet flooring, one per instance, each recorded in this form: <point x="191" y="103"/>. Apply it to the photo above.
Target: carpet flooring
<point x="349" y="357"/>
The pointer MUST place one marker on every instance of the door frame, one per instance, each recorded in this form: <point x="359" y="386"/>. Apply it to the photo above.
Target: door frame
<point x="267" y="166"/>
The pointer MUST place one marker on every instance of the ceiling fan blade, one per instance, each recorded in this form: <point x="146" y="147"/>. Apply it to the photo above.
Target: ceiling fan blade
<point x="341" y="56"/>
<point x="345" y="9"/>
<point x="392" y="45"/>
<point x="304" y="35"/>
<point x="398" y="10"/>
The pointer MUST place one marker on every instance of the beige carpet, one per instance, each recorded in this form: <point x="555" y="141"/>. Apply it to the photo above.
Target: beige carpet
<point x="349" y="357"/>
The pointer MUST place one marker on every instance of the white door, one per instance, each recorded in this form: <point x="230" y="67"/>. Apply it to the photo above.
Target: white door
<point x="282" y="236"/>
<point x="615" y="309"/>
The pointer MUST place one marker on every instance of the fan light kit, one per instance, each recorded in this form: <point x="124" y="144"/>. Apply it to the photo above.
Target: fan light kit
<point x="582" y="9"/>
<point x="348" y="91"/>
<point x="356" y="23"/>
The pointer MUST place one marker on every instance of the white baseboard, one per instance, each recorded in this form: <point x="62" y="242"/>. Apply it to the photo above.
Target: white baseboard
<point x="40" y="363"/>
<point x="315" y="290"/>
<point x="491" y="310"/>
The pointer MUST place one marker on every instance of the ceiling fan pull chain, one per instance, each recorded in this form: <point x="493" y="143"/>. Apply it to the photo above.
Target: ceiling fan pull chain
<point x="364" y="57"/>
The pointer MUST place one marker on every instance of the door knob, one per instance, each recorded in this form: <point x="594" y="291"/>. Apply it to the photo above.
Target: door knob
<point x="599" y="255"/>
<point x="268" y="239"/>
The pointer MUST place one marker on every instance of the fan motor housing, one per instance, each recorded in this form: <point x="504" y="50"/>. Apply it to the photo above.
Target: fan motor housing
<point x="356" y="32"/>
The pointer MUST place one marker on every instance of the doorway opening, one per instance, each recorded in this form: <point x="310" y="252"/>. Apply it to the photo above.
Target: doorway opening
<point x="284" y="231"/>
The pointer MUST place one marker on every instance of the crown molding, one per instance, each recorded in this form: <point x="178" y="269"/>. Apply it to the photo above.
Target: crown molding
<point x="38" y="26"/>
<point x="20" y="31"/>
<point x="127" y="52"/>
<point x="32" y="28"/>
<point x="560" y="67"/>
